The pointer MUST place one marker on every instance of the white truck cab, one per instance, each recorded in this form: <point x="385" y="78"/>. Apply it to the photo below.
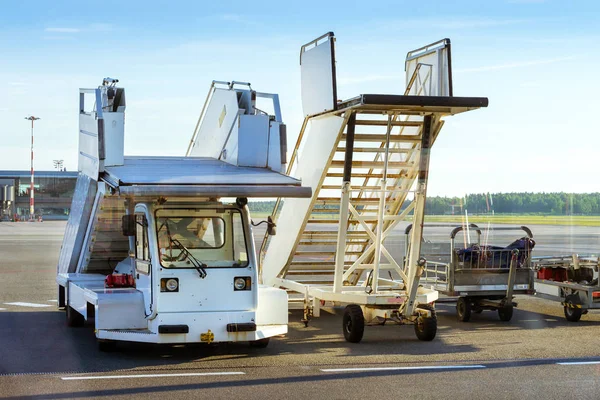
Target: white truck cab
<point x="161" y="249"/>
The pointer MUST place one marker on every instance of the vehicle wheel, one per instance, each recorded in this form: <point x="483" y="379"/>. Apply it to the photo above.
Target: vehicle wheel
<point x="505" y="313"/>
<point x="74" y="319"/>
<point x="573" y="314"/>
<point x="463" y="309"/>
<point x="260" y="343"/>
<point x="107" y="346"/>
<point x="353" y="323"/>
<point x="426" y="328"/>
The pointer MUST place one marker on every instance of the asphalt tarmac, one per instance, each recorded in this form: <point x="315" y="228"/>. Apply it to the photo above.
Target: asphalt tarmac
<point x="538" y="354"/>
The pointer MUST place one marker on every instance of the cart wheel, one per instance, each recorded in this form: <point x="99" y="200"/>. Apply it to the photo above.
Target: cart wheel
<point x="74" y="319"/>
<point x="573" y="314"/>
<point x="260" y="343"/>
<point x="107" y="346"/>
<point x="426" y="328"/>
<point x="353" y="323"/>
<point x="463" y="309"/>
<point x="505" y="313"/>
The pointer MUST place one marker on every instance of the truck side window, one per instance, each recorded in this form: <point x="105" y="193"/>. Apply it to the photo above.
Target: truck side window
<point x="141" y="238"/>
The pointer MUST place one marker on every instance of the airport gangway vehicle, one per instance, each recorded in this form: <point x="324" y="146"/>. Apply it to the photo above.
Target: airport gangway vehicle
<point x="363" y="158"/>
<point x="572" y="280"/>
<point x="152" y="250"/>
<point x="483" y="276"/>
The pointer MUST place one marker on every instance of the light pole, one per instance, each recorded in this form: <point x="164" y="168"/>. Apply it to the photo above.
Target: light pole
<point x="31" y="201"/>
<point x="58" y="164"/>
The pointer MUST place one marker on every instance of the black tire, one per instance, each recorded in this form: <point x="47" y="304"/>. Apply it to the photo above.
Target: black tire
<point x="353" y="323"/>
<point x="74" y="319"/>
<point x="463" y="309"/>
<point x="505" y="313"/>
<point x="426" y="328"/>
<point x="260" y="343"/>
<point x="107" y="346"/>
<point x="573" y="314"/>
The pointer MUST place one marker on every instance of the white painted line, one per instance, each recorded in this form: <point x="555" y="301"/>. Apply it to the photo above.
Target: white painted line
<point x="2" y="309"/>
<point x="35" y="305"/>
<point x="430" y="367"/>
<point x="53" y="301"/>
<point x="579" y="363"/>
<point x="80" y="378"/>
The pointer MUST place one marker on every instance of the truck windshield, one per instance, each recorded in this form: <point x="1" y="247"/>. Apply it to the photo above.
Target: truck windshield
<point x="215" y="239"/>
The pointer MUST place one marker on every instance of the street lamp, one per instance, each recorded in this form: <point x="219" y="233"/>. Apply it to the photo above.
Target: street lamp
<point x="31" y="201"/>
<point x="58" y="164"/>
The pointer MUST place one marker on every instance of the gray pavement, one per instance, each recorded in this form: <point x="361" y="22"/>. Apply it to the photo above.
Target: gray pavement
<point x="504" y="360"/>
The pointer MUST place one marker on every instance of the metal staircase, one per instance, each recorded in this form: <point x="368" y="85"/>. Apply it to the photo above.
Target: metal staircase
<point x="386" y="153"/>
<point x="366" y="160"/>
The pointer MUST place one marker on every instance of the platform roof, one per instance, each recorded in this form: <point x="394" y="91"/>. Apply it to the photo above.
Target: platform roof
<point x="444" y="105"/>
<point x="13" y="174"/>
<point x="198" y="176"/>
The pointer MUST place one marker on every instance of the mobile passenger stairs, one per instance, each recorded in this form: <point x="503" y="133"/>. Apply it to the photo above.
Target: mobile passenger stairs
<point x="363" y="158"/>
<point x="160" y="249"/>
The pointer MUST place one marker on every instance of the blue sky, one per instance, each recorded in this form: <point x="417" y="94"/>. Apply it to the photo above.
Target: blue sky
<point x="536" y="60"/>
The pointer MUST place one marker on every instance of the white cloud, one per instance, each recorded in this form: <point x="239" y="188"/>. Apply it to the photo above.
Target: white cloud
<point x="63" y="30"/>
<point x="96" y="27"/>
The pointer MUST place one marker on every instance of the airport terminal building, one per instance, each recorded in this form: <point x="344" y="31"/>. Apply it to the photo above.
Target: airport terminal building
<point x="53" y="192"/>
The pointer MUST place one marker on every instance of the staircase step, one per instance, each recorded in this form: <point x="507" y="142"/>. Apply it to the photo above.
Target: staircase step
<point x="381" y="122"/>
<point x="366" y="175"/>
<point x="374" y="150"/>
<point x="372" y="164"/>
<point x="325" y="253"/>
<point x="370" y="137"/>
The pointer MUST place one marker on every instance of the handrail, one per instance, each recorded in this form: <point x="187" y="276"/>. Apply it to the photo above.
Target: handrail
<point x="500" y="228"/>
<point x="430" y="48"/>
<point x="409" y="227"/>
<point x="201" y="116"/>
<point x="314" y="41"/>
<point x="278" y="201"/>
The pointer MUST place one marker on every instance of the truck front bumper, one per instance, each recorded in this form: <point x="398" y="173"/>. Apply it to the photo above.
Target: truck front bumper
<point x="198" y="327"/>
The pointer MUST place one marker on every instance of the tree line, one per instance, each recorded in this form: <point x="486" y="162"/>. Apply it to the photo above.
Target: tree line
<point x="557" y="203"/>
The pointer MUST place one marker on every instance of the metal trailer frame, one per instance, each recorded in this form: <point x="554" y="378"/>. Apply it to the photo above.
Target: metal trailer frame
<point x="485" y="285"/>
<point x="576" y="298"/>
<point x="379" y="154"/>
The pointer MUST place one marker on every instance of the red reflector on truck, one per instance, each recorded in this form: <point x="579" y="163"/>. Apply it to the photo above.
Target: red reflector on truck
<point x="119" y="280"/>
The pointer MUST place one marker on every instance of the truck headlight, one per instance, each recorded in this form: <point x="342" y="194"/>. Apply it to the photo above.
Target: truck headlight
<point x="169" y="285"/>
<point x="242" y="283"/>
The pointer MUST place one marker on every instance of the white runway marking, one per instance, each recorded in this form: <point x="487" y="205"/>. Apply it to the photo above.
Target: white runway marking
<point x="2" y="309"/>
<point x="53" y="301"/>
<point x="22" y="304"/>
<point x="77" y="378"/>
<point x="430" y="367"/>
<point x="579" y="363"/>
